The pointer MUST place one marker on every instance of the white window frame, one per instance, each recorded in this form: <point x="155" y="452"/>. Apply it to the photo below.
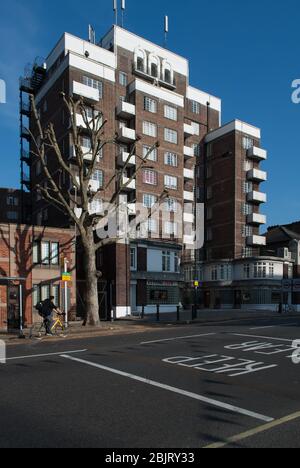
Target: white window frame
<point x="171" y="112"/>
<point x="150" y="105"/>
<point x="150" y="129"/>
<point x="171" y="136"/>
<point x="150" y="177"/>
<point x="171" y="159"/>
<point x="171" y="182"/>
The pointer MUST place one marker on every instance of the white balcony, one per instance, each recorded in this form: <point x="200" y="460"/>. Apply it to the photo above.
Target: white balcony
<point x="256" y="241"/>
<point x="87" y="153"/>
<point x="256" y="219"/>
<point x="256" y="197"/>
<point x="131" y="209"/>
<point x="128" y="186"/>
<point x="189" y="240"/>
<point x="257" y="153"/>
<point x="188" y="152"/>
<point x="188" y="174"/>
<point x="123" y="157"/>
<point x="188" y="218"/>
<point x="256" y="175"/>
<point x="94" y="185"/>
<point x="189" y="130"/>
<point x="126" y="110"/>
<point x="81" y="123"/>
<point x="87" y="92"/>
<point x="188" y="196"/>
<point x="128" y="135"/>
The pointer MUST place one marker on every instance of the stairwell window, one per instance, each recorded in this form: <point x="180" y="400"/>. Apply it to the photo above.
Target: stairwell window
<point x="96" y="84"/>
<point x="248" y="143"/>
<point x="196" y="128"/>
<point x="150" y="129"/>
<point x="171" y="205"/>
<point x="123" y="79"/>
<point x="171" y="136"/>
<point x="166" y="261"/>
<point x="195" y="107"/>
<point x="133" y="258"/>
<point x="171" y="229"/>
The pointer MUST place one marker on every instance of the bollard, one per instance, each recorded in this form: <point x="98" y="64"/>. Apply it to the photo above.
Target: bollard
<point x="178" y="313"/>
<point x="143" y="312"/>
<point x="157" y="313"/>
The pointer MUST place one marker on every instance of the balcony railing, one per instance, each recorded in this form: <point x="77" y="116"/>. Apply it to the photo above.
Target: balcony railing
<point x="256" y="197"/>
<point x="257" y="153"/>
<point x="87" y="92"/>
<point x="256" y="241"/>
<point x="141" y="71"/>
<point x="256" y="219"/>
<point x="126" y="110"/>
<point x="257" y="175"/>
<point x="123" y="158"/>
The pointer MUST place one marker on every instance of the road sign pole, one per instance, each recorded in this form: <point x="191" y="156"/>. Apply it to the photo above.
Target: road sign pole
<point x="66" y="295"/>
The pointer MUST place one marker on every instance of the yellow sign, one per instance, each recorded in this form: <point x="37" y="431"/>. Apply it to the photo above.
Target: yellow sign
<point x="66" y="277"/>
<point x="196" y="284"/>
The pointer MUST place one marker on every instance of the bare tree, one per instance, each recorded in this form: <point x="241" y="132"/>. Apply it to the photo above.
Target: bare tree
<point x="45" y="141"/>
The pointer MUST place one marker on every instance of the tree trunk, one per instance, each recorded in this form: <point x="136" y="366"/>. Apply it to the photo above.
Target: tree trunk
<point x="91" y="286"/>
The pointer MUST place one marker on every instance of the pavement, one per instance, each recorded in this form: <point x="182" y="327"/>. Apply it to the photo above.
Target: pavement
<point x="227" y="384"/>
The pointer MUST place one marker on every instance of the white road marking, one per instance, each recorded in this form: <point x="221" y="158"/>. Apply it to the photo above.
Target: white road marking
<point x="177" y="338"/>
<point x="16" y="358"/>
<point x="261" y="328"/>
<point x="178" y="391"/>
<point x="275" y="326"/>
<point x="263" y="337"/>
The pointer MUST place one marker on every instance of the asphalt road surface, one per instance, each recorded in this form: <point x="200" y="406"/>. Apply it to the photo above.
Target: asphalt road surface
<point x="233" y="384"/>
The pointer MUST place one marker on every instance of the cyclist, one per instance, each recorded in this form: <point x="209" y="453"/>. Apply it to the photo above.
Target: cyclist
<point x="47" y="311"/>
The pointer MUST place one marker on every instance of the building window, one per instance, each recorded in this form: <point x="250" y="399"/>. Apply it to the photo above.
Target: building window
<point x="152" y="225"/>
<point x="196" y="150"/>
<point x="140" y="64"/>
<point x="149" y="200"/>
<point x="12" y="201"/>
<point x="248" y="165"/>
<point x="12" y="215"/>
<point x="271" y="270"/>
<point x="247" y="271"/>
<point x="209" y="234"/>
<point x="247" y="187"/>
<point x="171" y="228"/>
<point x="97" y="176"/>
<point x="209" y="150"/>
<point x="247" y="209"/>
<point x="171" y="113"/>
<point x="260" y="270"/>
<point x="196" y="128"/>
<point x="149" y="177"/>
<point x="209" y="193"/>
<point x="171" y="205"/>
<point x="54" y="253"/>
<point x="171" y="159"/>
<point x="152" y="156"/>
<point x="133" y="258"/>
<point x="86" y="142"/>
<point x="150" y="105"/>
<point x="45" y="253"/>
<point x="166" y="261"/>
<point x="209" y="213"/>
<point x="171" y="136"/>
<point x="247" y="252"/>
<point x="123" y="79"/>
<point x="171" y="182"/>
<point x="150" y="129"/>
<point x="96" y="207"/>
<point x="248" y="143"/>
<point x="96" y="84"/>
<point x="247" y="231"/>
<point x="195" y="107"/>
<point x="214" y="273"/>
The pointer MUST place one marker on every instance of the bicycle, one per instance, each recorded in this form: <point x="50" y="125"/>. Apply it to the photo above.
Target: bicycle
<point x="58" y="323"/>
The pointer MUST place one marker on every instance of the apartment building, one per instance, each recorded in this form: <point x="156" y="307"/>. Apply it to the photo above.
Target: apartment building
<point x="12" y="202"/>
<point x="144" y="92"/>
<point x="31" y="266"/>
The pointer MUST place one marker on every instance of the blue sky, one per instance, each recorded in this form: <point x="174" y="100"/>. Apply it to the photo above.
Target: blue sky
<point x="244" y="52"/>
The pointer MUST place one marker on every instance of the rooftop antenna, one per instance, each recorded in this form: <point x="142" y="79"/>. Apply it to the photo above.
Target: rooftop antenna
<point x="123" y="6"/>
<point x="166" y="30"/>
<point x="92" y="35"/>
<point x="115" y="8"/>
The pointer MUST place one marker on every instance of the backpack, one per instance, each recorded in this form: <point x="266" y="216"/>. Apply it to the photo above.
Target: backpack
<point x="39" y="307"/>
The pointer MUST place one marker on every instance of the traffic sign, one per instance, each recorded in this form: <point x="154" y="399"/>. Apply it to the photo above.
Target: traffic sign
<point x="66" y="277"/>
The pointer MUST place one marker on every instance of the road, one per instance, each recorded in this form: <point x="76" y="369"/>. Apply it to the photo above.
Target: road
<point x="223" y="385"/>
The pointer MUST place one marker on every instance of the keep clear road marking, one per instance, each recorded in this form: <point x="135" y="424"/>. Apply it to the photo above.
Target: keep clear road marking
<point x="264" y="337"/>
<point x="178" y="391"/>
<point x="177" y="338"/>
<point x="16" y="358"/>
<point x="253" y="432"/>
